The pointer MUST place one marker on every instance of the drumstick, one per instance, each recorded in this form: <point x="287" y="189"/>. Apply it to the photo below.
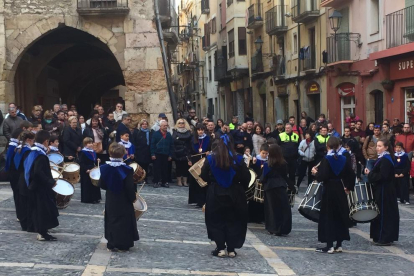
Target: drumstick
<point x="198" y="154"/>
<point x="141" y="188"/>
<point x="318" y="165"/>
<point x="60" y="173"/>
<point x="126" y="159"/>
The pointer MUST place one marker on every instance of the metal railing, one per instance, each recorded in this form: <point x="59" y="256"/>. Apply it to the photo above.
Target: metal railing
<point x="257" y="63"/>
<point x="102" y="4"/>
<point x="255" y="13"/>
<point x="308" y="59"/>
<point x="301" y="6"/>
<point x="275" y="18"/>
<point x="205" y="6"/>
<point x="342" y="47"/>
<point x="400" y="27"/>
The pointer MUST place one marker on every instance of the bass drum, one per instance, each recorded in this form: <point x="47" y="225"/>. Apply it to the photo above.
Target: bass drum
<point x="361" y="203"/>
<point x="250" y="190"/>
<point x="310" y="206"/>
<point x="64" y="192"/>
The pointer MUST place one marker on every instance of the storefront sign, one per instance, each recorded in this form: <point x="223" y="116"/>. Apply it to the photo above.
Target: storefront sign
<point x="402" y="69"/>
<point x="313" y="88"/>
<point x="346" y="89"/>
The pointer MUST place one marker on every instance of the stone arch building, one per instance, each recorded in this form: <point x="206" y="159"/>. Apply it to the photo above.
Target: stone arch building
<point x="81" y="51"/>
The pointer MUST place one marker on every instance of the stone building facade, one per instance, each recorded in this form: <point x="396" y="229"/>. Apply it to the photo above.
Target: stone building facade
<point x="82" y="52"/>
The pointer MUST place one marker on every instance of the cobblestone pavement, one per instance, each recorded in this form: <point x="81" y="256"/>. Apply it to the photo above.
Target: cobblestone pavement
<point x="174" y="243"/>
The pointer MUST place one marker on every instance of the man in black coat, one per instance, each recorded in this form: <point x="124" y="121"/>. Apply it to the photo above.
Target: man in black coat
<point x="122" y="127"/>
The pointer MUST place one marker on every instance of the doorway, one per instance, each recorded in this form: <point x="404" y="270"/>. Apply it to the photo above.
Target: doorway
<point x="378" y="106"/>
<point x="314" y="105"/>
<point x="347" y="107"/>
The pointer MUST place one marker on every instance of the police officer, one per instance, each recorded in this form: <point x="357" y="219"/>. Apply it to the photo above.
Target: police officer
<point x="320" y="143"/>
<point x="234" y="125"/>
<point x="289" y="142"/>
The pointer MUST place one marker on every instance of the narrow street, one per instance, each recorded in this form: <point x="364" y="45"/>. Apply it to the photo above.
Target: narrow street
<point x="174" y="242"/>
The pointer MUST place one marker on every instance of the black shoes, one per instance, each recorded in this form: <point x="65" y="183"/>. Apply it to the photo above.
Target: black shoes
<point x="46" y="237"/>
<point x="219" y="253"/>
<point x="166" y="185"/>
<point x="329" y="250"/>
<point x="156" y="185"/>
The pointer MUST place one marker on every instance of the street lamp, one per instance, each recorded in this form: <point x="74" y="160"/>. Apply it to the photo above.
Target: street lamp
<point x="258" y="42"/>
<point x="335" y="20"/>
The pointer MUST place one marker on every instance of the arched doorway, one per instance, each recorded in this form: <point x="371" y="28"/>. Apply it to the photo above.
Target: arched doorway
<point x="378" y="98"/>
<point x="69" y="66"/>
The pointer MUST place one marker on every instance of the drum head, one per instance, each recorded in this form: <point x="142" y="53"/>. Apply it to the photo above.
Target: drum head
<point x="95" y="174"/>
<point x="134" y="166"/>
<point x="55" y="158"/>
<point x="56" y="174"/>
<point x="53" y="166"/>
<point x="63" y="188"/>
<point x="72" y="167"/>
<point x="253" y="177"/>
<point x="364" y="215"/>
<point x="140" y="204"/>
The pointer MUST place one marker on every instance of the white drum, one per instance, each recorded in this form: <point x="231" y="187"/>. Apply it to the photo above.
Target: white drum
<point x="140" y="207"/>
<point x="56" y="158"/>
<point x="56" y="174"/>
<point x="71" y="172"/>
<point x="54" y="166"/>
<point x="95" y="175"/>
<point x="64" y="192"/>
<point x="250" y="190"/>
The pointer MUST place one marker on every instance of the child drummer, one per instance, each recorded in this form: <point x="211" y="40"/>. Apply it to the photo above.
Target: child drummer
<point x="117" y="179"/>
<point x="129" y="147"/>
<point x="54" y="144"/>
<point x="87" y="161"/>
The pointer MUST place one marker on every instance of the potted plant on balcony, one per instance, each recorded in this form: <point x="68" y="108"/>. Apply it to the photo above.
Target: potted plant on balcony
<point x="388" y="84"/>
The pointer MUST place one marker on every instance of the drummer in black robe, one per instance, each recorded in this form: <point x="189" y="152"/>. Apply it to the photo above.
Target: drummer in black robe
<point x="129" y="147"/>
<point x="338" y="180"/>
<point x="201" y="146"/>
<point x="384" y="229"/>
<point x="277" y="210"/>
<point x="88" y="161"/>
<point x="25" y="209"/>
<point x="120" y="223"/>
<point x="256" y="209"/>
<point x="11" y="168"/>
<point x="226" y="205"/>
<point x="40" y="182"/>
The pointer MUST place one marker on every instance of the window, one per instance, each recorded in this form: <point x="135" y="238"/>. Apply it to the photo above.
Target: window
<point x="242" y="41"/>
<point x="231" y="43"/>
<point x="295" y="43"/>
<point x="221" y="17"/>
<point x="374" y="17"/>
<point x="209" y="68"/>
<point x="213" y="26"/>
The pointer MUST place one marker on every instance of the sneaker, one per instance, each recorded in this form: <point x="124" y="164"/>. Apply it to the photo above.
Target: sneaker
<point x="329" y="250"/>
<point x="398" y="201"/>
<point x="40" y="237"/>
<point x="156" y="185"/>
<point x="232" y="254"/>
<point x="407" y="203"/>
<point x="219" y="253"/>
<point x="338" y="249"/>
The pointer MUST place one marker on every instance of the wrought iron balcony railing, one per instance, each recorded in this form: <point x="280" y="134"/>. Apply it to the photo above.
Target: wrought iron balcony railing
<point x="255" y="18"/>
<point x="257" y="63"/>
<point x="400" y="27"/>
<point x="343" y="47"/>
<point x="205" y="6"/>
<point x="100" y="7"/>
<point x="304" y="11"/>
<point x="276" y="20"/>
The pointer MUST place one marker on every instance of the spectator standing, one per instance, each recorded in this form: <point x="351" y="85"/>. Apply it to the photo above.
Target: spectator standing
<point x="332" y="132"/>
<point x="72" y="139"/>
<point x="36" y="115"/>
<point x="56" y="108"/>
<point x="302" y="128"/>
<point x="234" y="125"/>
<point x="18" y="113"/>
<point x="307" y="152"/>
<point x="161" y="152"/>
<point x="123" y="127"/>
<point x="119" y="112"/>
<point x="109" y="122"/>
<point x="268" y="132"/>
<point x="308" y="119"/>
<point x="320" y="144"/>
<point x="387" y="133"/>
<point x="289" y="141"/>
<point x="295" y="128"/>
<point x="191" y="116"/>
<point x="406" y="138"/>
<point x="161" y="117"/>
<point x="351" y="118"/>
<point x="12" y="121"/>
<point x="219" y="124"/>
<point x="51" y="124"/>
<point x="396" y="124"/>
<point x="211" y="130"/>
<point x="258" y="139"/>
<point x="182" y="138"/>
<point x="369" y="149"/>
<point x="370" y="129"/>
<point x="141" y="139"/>
<point x="99" y="139"/>
<point x="241" y="139"/>
<point x="278" y="129"/>
<point x="320" y="122"/>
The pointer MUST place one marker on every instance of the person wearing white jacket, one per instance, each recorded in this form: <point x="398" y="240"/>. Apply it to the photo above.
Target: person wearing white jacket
<point x="258" y="139"/>
<point x="307" y="152"/>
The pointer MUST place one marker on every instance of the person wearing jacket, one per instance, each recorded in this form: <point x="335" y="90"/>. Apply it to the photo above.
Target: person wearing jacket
<point x="182" y="137"/>
<point x="12" y="122"/>
<point x="320" y="144"/>
<point x="369" y="149"/>
<point x="51" y="125"/>
<point x="307" y="151"/>
<point x="407" y="138"/>
<point x="258" y="139"/>
<point x="98" y="134"/>
<point x="289" y="142"/>
<point x="332" y="132"/>
<point x="72" y="138"/>
<point x="162" y="147"/>
<point x="141" y="139"/>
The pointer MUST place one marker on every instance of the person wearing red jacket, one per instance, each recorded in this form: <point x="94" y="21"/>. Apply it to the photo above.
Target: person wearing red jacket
<point x="406" y="138"/>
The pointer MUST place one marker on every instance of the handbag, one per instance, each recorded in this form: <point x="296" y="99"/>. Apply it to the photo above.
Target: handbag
<point x="97" y="147"/>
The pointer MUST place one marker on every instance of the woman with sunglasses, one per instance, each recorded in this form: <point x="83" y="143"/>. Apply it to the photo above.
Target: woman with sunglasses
<point x="182" y="137"/>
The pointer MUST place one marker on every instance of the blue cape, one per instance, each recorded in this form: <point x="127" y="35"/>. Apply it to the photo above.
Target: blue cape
<point x="387" y="156"/>
<point x="223" y="177"/>
<point x="337" y="164"/>
<point x="90" y="155"/>
<point x="114" y="176"/>
<point x="203" y="142"/>
<point x="266" y="169"/>
<point x="9" y="156"/>
<point x="18" y="157"/>
<point x="28" y="163"/>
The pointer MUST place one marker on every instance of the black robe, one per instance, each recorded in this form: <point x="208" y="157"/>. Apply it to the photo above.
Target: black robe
<point x="120" y="223"/>
<point x="334" y="218"/>
<point x="14" y="179"/>
<point x="256" y="209"/>
<point x="89" y="192"/>
<point x="277" y="210"/>
<point x="196" y="193"/>
<point x="385" y="228"/>
<point x="45" y="213"/>
<point x="226" y="208"/>
<point x="25" y="199"/>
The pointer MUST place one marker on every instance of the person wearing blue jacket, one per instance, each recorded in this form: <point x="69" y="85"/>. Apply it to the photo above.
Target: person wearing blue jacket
<point x="161" y="152"/>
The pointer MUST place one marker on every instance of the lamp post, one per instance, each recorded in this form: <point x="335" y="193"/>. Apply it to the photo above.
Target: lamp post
<point x="335" y="20"/>
<point x="258" y="42"/>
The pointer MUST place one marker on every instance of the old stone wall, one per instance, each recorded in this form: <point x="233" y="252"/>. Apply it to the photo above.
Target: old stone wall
<point x="132" y="39"/>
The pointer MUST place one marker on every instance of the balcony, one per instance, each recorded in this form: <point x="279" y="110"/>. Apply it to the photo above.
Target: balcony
<point x="400" y="27"/>
<point x="255" y="19"/>
<point x="309" y="61"/>
<point x="166" y="13"/>
<point x="333" y="3"/>
<point x="342" y="48"/>
<point x="171" y="34"/>
<point x="304" y="11"/>
<point x="205" y="6"/>
<point x="257" y="63"/>
<point x="276" y="20"/>
<point x="103" y="7"/>
<point x="277" y="64"/>
<point x="185" y="34"/>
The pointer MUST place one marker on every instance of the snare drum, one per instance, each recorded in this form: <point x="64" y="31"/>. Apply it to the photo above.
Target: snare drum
<point x="139" y="172"/>
<point x="140" y="207"/>
<point x="95" y="175"/>
<point x="195" y="171"/>
<point x="56" y="158"/>
<point x="258" y="192"/>
<point x="251" y="189"/>
<point x="361" y="203"/>
<point x="71" y="172"/>
<point x="64" y="192"/>
<point x="54" y="166"/>
<point x="56" y="174"/>
<point x="310" y="206"/>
